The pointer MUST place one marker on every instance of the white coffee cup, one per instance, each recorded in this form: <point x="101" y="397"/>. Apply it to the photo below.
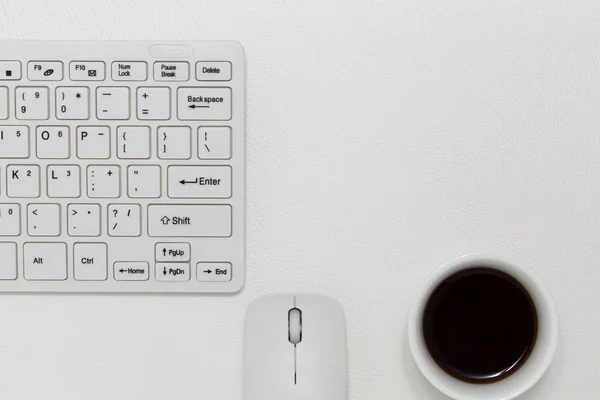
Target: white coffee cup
<point x="513" y="385"/>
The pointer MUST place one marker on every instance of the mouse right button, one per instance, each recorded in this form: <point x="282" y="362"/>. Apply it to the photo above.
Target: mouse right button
<point x="322" y="354"/>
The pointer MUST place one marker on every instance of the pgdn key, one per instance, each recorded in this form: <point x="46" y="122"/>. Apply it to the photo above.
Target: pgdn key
<point x="174" y="272"/>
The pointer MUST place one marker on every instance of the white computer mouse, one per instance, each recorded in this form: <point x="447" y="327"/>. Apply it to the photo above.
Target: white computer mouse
<point x="295" y="349"/>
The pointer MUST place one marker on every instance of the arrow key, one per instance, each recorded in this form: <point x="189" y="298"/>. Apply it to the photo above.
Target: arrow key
<point x="173" y="252"/>
<point x="213" y="271"/>
<point x="131" y="271"/>
<point x="172" y="272"/>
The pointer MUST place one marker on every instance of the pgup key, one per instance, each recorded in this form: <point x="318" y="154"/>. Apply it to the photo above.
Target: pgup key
<point x="174" y="252"/>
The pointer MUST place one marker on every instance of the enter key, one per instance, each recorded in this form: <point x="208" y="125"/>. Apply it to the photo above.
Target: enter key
<point x="191" y="182"/>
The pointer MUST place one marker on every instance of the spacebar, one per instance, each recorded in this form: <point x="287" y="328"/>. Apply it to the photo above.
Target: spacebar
<point x="179" y="220"/>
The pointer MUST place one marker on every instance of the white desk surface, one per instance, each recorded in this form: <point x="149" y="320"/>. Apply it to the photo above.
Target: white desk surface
<point x="384" y="139"/>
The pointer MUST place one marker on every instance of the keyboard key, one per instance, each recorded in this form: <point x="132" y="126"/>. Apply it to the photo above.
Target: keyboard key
<point x="174" y="142"/>
<point x="196" y="181"/>
<point x="8" y="266"/>
<point x="184" y="220"/>
<point x="10" y="220"/>
<point x="214" y="142"/>
<point x="32" y="103"/>
<point x="213" y="71"/>
<point x="131" y="271"/>
<point x="93" y="142"/>
<point x="10" y="70"/>
<point x="87" y="71"/>
<point x="112" y="103"/>
<point x="104" y="181"/>
<point x="23" y="180"/>
<point x="124" y="220"/>
<point x="14" y="141"/>
<point x="172" y="272"/>
<point x="133" y="142"/>
<point x="45" y="261"/>
<point x="72" y="103"/>
<point x="43" y="220"/>
<point x="213" y="271"/>
<point x="45" y="70"/>
<point x="172" y="252"/>
<point x="171" y="71"/>
<point x="90" y="261"/>
<point x="3" y="102"/>
<point x="153" y="103"/>
<point x="143" y="181"/>
<point x="84" y="219"/>
<point x="52" y="142"/>
<point x="129" y="71"/>
<point x="64" y="181"/>
<point x="204" y="103"/>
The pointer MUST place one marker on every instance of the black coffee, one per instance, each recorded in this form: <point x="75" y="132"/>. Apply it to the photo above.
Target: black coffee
<point x="480" y="325"/>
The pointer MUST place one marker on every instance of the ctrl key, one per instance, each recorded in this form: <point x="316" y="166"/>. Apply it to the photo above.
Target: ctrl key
<point x="132" y="271"/>
<point x="8" y="266"/>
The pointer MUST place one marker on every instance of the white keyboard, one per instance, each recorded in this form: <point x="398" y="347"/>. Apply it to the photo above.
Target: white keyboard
<point x="122" y="166"/>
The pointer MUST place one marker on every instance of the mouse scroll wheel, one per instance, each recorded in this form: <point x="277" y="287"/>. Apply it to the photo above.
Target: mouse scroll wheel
<point x="295" y="326"/>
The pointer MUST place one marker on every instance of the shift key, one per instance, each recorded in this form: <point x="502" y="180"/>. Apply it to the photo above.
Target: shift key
<point x="179" y="220"/>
